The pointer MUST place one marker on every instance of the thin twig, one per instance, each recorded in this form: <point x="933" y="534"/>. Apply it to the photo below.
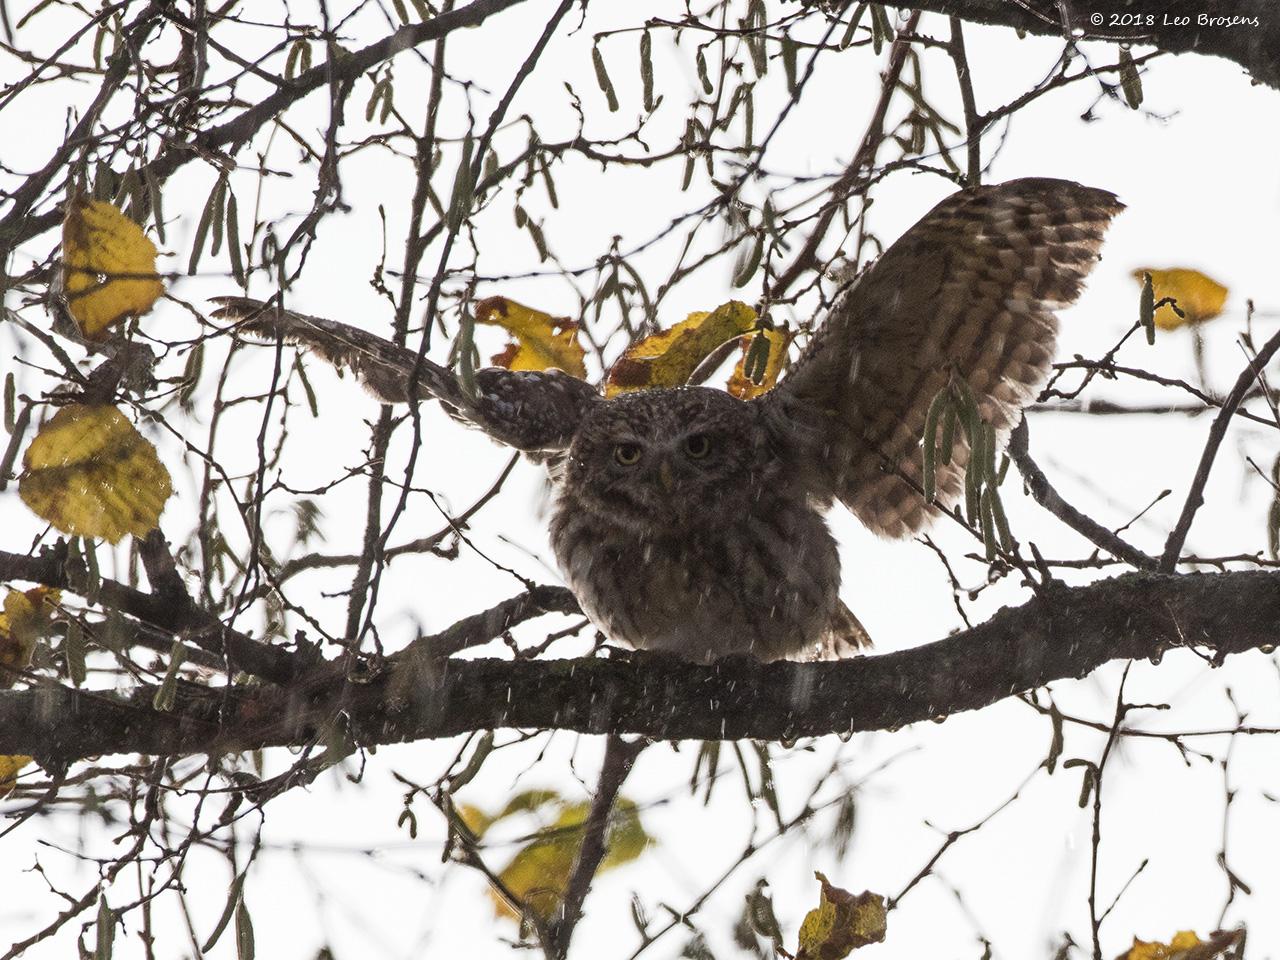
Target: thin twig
<point x="1049" y="498"/>
<point x="1195" y="496"/>
<point x="619" y="756"/>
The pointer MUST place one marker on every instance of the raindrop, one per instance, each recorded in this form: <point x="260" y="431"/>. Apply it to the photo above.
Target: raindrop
<point x="1268" y="648"/>
<point x="787" y="742"/>
<point x="1156" y="657"/>
<point x="940" y="718"/>
<point x="844" y="736"/>
<point x="1077" y="33"/>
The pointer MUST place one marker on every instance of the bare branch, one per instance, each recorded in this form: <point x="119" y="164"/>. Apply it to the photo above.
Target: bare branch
<point x="1062" y="633"/>
<point x="1195" y="496"/>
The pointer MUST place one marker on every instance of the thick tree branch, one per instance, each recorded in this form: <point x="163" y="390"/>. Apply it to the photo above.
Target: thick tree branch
<point x="1062" y="633"/>
<point x="1174" y="26"/>
<point x="168" y="607"/>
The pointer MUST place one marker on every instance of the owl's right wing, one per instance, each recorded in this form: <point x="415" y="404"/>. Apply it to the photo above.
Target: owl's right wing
<point x="533" y="411"/>
<point x="969" y="291"/>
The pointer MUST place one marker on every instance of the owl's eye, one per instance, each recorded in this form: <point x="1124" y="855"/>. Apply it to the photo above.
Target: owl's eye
<point x="627" y="454"/>
<point x="697" y="446"/>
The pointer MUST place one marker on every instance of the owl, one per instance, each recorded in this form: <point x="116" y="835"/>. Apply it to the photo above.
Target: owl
<point x="690" y="521"/>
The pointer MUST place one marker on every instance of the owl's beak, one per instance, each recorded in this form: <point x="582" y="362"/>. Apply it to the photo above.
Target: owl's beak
<point x="666" y="477"/>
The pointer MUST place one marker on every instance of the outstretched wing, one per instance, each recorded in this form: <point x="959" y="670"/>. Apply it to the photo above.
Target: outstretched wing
<point x="529" y="410"/>
<point x="970" y="291"/>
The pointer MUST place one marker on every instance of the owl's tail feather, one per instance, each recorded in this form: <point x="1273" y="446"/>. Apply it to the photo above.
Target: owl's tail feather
<point x="845" y="637"/>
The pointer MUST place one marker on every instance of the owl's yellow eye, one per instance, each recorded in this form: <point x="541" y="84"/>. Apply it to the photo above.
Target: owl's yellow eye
<point x="627" y="454"/>
<point x="697" y="446"/>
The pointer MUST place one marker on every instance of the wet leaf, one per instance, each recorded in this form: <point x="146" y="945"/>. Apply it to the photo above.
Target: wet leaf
<point x="1185" y="945"/>
<point x="668" y="358"/>
<point x="167" y="692"/>
<point x="478" y="756"/>
<point x="9" y="768"/>
<point x="789" y="51"/>
<point x="760" y="915"/>
<point x="539" y="872"/>
<point x="1130" y="82"/>
<point x="1198" y="297"/>
<point x="646" y="70"/>
<point x="749" y="262"/>
<point x="26" y="619"/>
<point x="106" y="931"/>
<point x="245" y="949"/>
<point x="463" y="188"/>
<point x="89" y="472"/>
<point x="742" y="383"/>
<point x="602" y="78"/>
<point x="841" y="923"/>
<point x="108" y="264"/>
<point x="703" y="76"/>
<point x="1147" y="308"/>
<point x="541" y="340"/>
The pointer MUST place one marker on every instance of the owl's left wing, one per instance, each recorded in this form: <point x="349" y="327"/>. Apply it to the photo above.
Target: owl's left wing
<point x="969" y="291"/>
<point x="534" y="411"/>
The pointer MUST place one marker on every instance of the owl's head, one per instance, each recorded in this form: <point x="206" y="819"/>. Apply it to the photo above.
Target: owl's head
<point x="665" y="458"/>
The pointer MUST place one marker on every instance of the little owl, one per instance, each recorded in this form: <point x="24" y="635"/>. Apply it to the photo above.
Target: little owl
<point x="690" y="521"/>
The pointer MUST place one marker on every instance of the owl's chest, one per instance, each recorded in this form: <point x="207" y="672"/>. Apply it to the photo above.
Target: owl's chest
<point x="763" y="583"/>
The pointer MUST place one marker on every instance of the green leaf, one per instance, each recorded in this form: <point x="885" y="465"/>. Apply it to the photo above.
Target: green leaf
<point x="940" y="402"/>
<point x="168" y="690"/>
<point x="602" y="78"/>
<point x="245" y="948"/>
<point x="703" y="76"/>
<point x="233" y="900"/>
<point x="1130" y="81"/>
<point x="106" y="930"/>
<point x="1147" y="308"/>
<point x="847" y="39"/>
<point x="474" y="762"/>
<point x="790" y="50"/>
<point x="73" y="651"/>
<point x="233" y="240"/>
<point x="202" y="228"/>
<point x="749" y="263"/>
<point x="646" y="69"/>
<point x="10" y="403"/>
<point x="460" y="200"/>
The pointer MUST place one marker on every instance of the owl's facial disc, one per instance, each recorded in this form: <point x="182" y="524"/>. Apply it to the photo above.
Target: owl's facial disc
<point x="664" y="459"/>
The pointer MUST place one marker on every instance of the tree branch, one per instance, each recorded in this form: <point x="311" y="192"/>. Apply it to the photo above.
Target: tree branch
<point x="168" y="608"/>
<point x="1195" y="496"/>
<point x="1174" y="25"/>
<point x="619" y="756"/>
<point x="1049" y="498"/>
<point x="1062" y="633"/>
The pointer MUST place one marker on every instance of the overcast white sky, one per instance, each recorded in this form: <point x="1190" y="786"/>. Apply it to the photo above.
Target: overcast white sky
<point x="1198" y="169"/>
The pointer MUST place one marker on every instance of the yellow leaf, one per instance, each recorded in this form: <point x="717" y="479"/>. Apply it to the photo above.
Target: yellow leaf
<point x="9" y="767"/>
<point x="26" y="618"/>
<point x="539" y="872"/>
<point x="668" y="358"/>
<point x="841" y="923"/>
<point x="89" y="472"/>
<point x="473" y="818"/>
<point x="542" y="341"/>
<point x="744" y="387"/>
<point x="108" y="266"/>
<point x="1185" y="945"/>
<point x="1199" y="297"/>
